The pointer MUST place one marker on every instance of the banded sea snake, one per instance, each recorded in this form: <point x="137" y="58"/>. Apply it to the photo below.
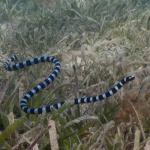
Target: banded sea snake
<point x="11" y="65"/>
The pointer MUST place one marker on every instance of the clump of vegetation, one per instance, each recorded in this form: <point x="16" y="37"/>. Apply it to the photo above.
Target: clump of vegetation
<point x="97" y="42"/>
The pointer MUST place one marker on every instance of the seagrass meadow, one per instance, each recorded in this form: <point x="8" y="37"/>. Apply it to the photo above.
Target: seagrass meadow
<point x="98" y="42"/>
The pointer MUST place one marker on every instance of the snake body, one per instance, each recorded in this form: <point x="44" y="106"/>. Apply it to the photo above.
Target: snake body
<point x="11" y="65"/>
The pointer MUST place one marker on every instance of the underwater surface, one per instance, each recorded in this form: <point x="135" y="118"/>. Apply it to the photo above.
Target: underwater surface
<point x="98" y="42"/>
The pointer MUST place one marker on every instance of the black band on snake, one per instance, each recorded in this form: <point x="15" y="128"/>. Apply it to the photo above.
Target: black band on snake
<point x="10" y="65"/>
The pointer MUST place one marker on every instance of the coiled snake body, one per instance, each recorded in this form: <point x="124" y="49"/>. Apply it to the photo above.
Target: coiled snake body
<point x="10" y="65"/>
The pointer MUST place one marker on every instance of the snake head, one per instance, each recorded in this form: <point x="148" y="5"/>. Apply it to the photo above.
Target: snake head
<point x="130" y="78"/>
<point x="13" y="58"/>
